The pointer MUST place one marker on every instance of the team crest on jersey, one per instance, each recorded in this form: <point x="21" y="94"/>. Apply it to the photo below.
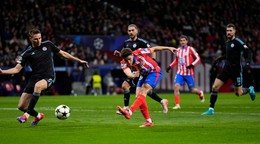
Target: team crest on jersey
<point x="134" y="45"/>
<point x="44" y="48"/>
<point x="232" y="45"/>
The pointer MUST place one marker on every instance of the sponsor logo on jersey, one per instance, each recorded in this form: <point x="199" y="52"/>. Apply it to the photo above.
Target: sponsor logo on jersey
<point x="232" y="45"/>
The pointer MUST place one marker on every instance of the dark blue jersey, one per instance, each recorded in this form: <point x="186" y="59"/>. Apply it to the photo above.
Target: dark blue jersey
<point x="138" y="43"/>
<point x="40" y="59"/>
<point x="234" y="51"/>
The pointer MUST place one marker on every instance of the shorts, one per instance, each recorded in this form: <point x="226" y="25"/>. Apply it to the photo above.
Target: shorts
<point x="180" y="79"/>
<point x="29" y="88"/>
<point x="132" y="81"/>
<point x="152" y="79"/>
<point x="231" y="72"/>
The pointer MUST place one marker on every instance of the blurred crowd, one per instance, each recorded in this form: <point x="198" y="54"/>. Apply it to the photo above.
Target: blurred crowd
<point x="160" y="22"/>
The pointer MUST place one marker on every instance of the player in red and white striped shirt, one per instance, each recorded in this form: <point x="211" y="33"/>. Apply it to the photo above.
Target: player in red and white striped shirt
<point x="140" y="62"/>
<point x="186" y="59"/>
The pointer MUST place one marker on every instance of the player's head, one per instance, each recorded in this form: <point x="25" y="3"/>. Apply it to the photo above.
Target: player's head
<point x="132" y="31"/>
<point x="35" y="37"/>
<point x="126" y="54"/>
<point x="183" y="40"/>
<point x="230" y="31"/>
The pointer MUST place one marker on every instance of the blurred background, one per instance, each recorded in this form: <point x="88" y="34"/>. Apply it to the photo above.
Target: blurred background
<point x="93" y="29"/>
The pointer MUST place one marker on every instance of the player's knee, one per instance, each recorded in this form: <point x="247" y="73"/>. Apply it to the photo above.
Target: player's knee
<point x="215" y="88"/>
<point x="238" y="93"/>
<point x="177" y="87"/>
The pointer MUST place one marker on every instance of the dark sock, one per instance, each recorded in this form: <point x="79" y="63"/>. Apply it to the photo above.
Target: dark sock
<point x="154" y="96"/>
<point x="213" y="99"/>
<point x="245" y="91"/>
<point x="126" y="97"/>
<point x="32" y="104"/>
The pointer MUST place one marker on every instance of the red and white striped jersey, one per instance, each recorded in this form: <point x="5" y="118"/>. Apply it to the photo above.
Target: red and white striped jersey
<point x="142" y="61"/>
<point x="185" y="57"/>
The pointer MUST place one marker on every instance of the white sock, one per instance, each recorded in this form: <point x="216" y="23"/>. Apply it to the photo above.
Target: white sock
<point x="130" y="112"/>
<point x="149" y="120"/>
<point x="27" y="115"/>
<point x="39" y="115"/>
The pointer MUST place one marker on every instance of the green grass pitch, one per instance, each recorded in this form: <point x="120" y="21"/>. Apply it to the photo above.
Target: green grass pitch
<point x="93" y="121"/>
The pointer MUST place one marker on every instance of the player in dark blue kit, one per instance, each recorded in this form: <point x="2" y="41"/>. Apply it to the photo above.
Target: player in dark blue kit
<point x="134" y="42"/>
<point x="235" y="48"/>
<point x="39" y="56"/>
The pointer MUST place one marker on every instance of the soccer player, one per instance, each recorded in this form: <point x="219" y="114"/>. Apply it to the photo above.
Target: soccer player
<point x="150" y="76"/>
<point x="134" y="42"/>
<point x="232" y="68"/>
<point x="186" y="59"/>
<point x="39" y="56"/>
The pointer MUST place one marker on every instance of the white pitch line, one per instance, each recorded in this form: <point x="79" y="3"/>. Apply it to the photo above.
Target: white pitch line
<point x="94" y="110"/>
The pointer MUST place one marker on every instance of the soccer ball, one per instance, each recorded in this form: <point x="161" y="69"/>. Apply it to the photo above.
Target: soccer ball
<point x="62" y="112"/>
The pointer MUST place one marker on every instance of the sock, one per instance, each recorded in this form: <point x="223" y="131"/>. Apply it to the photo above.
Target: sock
<point x="149" y="120"/>
<point x="245" y="91"/>
<point x="154" y="96"/>
<point x="32" y="104"/>
<point x="138" y="102"/>
<point x="213" y="99"/>
<point x="199" y="92"/>
<point x="177" y="99"/>
<point x="26" y="115"/>
<point x="39" y="116"/>
<point x="126" y="97"/>
<point x="144" y="110"/>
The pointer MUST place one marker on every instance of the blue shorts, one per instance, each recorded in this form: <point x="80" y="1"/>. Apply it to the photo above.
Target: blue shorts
<point x="152" y="79"/>
<point x="180" y="79"/>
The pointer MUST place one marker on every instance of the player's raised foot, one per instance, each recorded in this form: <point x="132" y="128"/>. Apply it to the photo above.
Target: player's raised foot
<point x="210" y="111"/>
<point x="119" y="113"/>
<point x="177" y="106"/>
<point x="165" y="105"/>
<point x="252" y="93"/>
<point x="36" y="120"/>
<point x="147" y="124"/>
<point x="22" y="119"/>
<point x="124" y="112"/>
<point x="202" y="98"/>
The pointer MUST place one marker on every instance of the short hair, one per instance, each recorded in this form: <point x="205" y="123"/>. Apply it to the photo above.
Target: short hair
<point x="133" y="25"/>
<point x="34" y="31"/>
<point x="231" y="25"/>
<point x="125" y="52"/>
<point x="184" y="36"/>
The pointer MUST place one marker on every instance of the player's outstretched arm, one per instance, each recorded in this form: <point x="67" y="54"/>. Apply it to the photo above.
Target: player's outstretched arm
<point x="160" y="48"/>
<point x="72" y="58"/>
<point x="13" y="70"/>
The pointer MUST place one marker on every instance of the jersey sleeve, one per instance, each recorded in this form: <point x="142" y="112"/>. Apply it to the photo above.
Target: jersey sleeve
<point x="22" y="58"/>
<point x="195" y="56"/>
<point x="54" y="48"/>
<point x="123" y="65"/>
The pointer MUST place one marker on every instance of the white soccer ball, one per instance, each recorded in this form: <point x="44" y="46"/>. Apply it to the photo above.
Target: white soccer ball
<point x="62" y="112"/>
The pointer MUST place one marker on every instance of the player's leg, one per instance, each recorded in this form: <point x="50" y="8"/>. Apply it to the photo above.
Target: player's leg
<point x="214" y="95"/>
<point x="239" y="90"/>
<point x="178" y="81"/>
<point x="190" y="82"/>
<point x="38" y="88"/>
<point x="126" y="85"/>
<point x="177" y="96"/>
<point x="23" y="105"/>
<point x="144" y="107"/>
<point x="126" y="88"/>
